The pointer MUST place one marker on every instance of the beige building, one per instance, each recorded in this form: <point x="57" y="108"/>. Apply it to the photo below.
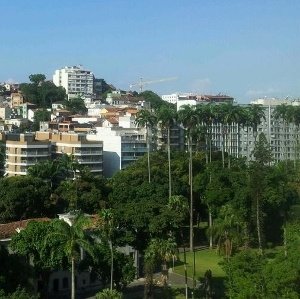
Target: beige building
<point x="87" y="153"/>
<point x="23" y="151"/>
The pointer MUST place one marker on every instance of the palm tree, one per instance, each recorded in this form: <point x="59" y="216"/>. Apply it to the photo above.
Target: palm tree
<point x="179" y="204"/>
<point x="106" y="230"/>
<point x="49" y="171"/>
<point x="147" y="120"/>
<point x="256" y="114"/>
<point x="219" y="117"/>
<point x="189" y="119"/>
<point x="285" y="113"/>
<point x="167" y="116"/>
<point x="73" y="239"/>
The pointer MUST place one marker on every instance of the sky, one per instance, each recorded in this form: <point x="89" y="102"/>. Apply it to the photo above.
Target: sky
<point x="243" y="48"/>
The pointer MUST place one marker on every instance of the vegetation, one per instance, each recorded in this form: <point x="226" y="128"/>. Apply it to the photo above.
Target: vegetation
<point x="156" y="207"/>
<point x="41" y="92"/>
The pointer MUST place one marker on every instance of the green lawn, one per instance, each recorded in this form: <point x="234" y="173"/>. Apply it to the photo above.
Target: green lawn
<point x="205" y="259"/>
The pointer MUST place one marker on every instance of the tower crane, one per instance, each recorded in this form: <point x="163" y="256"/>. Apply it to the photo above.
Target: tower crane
<point x="142" y="82"/>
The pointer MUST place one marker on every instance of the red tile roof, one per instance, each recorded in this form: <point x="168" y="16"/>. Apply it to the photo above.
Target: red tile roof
<point x="7" y="230"/>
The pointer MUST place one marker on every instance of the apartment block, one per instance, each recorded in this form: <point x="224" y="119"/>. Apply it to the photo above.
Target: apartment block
<point x="121" y="146"/>
<point x="87" y="153"/>
<point x="23" y="151"/>
<point x="76" y="80"/>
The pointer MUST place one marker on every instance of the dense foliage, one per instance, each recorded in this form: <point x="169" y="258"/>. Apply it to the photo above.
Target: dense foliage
<point x="41" y="92"/>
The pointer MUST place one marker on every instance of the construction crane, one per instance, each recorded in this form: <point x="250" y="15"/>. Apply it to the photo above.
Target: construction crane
<point x="142" y="83"/>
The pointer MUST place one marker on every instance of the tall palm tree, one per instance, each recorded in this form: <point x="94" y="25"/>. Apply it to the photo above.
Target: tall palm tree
<point x="232" y="116"/>
<point x="189" y="120"/>
<point x="220" y="119"/>
<point x="180" y="205"/>
<point x="285" y="113"/>
<point x="106" y="230"/>
<point x="256" y="115"/>
<point x="73" y="239"/>
<point x="146" y="119"/>
<point x="167" y="117"/>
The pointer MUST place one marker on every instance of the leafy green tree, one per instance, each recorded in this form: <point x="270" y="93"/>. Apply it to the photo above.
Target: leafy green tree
<point x="76" y="106"/>
<point x="23" y="197"/>
<point x="155" y="100"/>
<point x="243" y="275"/>
<point x="100" y="265"/>
<point x="40" y="115"/>
<point x="40" y="92"/>
<point x="34" y="243"/>
<point x="37" y="78"/>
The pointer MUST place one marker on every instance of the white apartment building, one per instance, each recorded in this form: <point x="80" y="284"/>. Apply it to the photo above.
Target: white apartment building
<point x="174" y="97"/>
<point x="121" y="146"/>
<point x="76" y="80"/>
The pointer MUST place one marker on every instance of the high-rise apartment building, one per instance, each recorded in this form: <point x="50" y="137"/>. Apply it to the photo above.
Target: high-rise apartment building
<point x="76" y="80"/>
<point x="23" y="151"/>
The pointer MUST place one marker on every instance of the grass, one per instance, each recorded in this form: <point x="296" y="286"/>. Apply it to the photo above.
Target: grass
<point x="204" y="260"/>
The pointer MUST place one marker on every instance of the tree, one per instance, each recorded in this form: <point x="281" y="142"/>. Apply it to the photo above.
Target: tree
<point x="76" y="106"/>
<point x="153" y="99"/>
<point x="189" y="120"/>
<point x="262" y="151"/>
<point x="72" y="239"/>
<point x="243" y="275"/>
<point x="40" y="115"/>
<point x="100" y="266"/>
<point x="40" y="92"/>
<point x="167" y="117"/>
<point x="37" y="78"/>
<point x="256" y="114"/>
<point x="34" y="243"/>
<point x="23" y="197"/>
<point x="147" y="120"/>
<point x="106" y="230"/>
<point x="158" y="251"/>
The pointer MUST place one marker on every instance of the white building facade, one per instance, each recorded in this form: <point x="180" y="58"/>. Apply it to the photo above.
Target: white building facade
<point x="76" y="80"/>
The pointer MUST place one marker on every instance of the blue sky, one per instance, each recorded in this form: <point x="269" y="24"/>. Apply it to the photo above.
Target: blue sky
<point x="246" y="49"/>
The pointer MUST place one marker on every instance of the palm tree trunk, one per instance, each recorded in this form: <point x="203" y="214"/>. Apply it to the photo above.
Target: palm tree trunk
<point x="169" y="162"/>
<point x="73" y="278"/>
<point x="210" y="228"/>
<point x="148" y="155"/>
<point x="191" y="197"/>
<point x="223" y="147"/>
<point x="185" y="273"/>
<point x="111" y="266"/>
<point x="258" y="224"/>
